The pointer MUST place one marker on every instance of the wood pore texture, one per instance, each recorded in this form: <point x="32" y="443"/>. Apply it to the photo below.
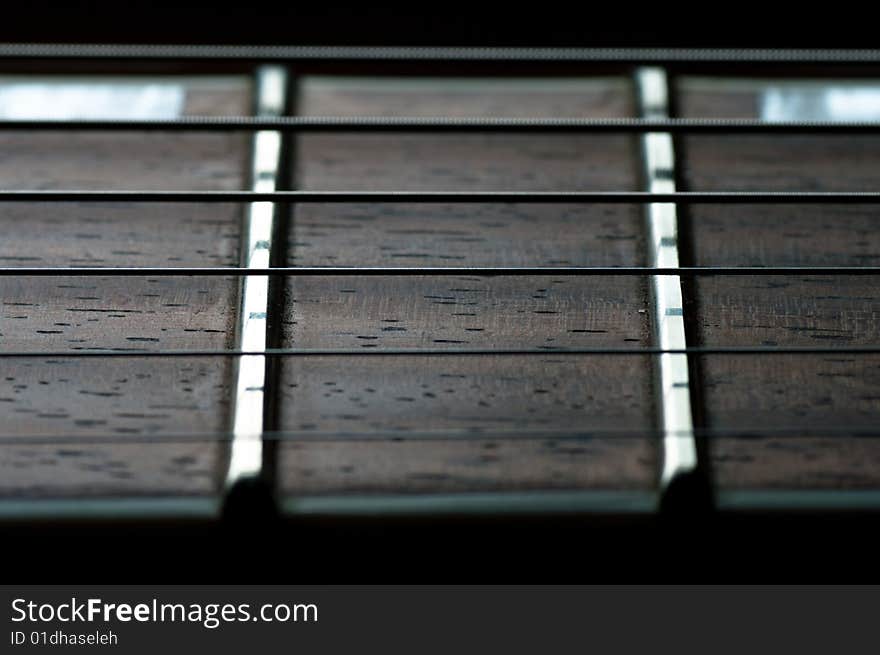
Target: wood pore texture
<point x="418" y="424"/>
<point x="807" y="392"/>
<point x="129" y="400"/>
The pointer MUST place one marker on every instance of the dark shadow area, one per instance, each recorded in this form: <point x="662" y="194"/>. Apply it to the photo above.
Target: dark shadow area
<point x="729" y="549"/>
<point x="445" y="23"/>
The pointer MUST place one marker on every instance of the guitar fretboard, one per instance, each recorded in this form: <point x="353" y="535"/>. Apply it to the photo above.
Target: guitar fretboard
<point x="438" y="280"/>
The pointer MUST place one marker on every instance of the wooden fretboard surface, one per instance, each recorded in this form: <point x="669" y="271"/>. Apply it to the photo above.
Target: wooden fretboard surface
<point x="132" y="399"/>
<point x="810" y="393"/>
<point x="466" y="396"/>
<point x="415" y="424"/>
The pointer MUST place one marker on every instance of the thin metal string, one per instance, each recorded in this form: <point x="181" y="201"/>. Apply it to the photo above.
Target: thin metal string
<point x="428" y="271"/>
<point x="444" y="436"/>
<point x="122" y="353"/>
<point x="421" y="197"/>
<point x="449" y="124"/>
<point x="457" y="54"/>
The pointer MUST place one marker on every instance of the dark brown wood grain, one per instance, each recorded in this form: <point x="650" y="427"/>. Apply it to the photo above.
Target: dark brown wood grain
<point x="810" y="392"/>
<point x="465" y="312"/>
<point x="477" y="403"/>
<point x="465" y="234"/>
<point x="475" y="407"/>
<point x="122" y="399"/>
<point x="595" y="97"/>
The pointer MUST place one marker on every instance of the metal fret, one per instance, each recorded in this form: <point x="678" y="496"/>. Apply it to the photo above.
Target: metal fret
<point x="246" y="452"/>
<point x="673" y="386"/>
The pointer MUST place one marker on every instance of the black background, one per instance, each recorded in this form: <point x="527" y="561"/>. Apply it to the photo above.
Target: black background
<point x="708" y="24"/>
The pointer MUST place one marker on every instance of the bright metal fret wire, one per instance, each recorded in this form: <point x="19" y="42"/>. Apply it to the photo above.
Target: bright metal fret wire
<point x="672" y="379"/>
<point x="249" y="378"/>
